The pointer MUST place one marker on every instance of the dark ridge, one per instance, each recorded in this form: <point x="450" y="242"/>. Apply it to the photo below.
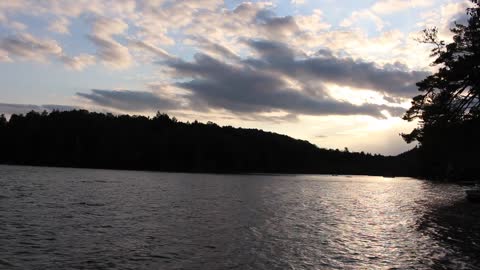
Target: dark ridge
<point x="79" y="138"/>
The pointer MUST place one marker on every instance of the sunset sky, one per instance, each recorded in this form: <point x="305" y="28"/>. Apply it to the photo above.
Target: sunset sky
<point x="336" y="73"/>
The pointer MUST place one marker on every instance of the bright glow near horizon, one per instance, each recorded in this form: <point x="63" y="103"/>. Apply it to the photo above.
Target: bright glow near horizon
<point x="336" y="73"/>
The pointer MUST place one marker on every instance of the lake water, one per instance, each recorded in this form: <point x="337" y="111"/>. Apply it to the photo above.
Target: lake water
<point x="60" y="218"/>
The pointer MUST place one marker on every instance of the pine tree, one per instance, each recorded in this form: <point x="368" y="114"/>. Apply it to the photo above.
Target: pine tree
<point x="452" y="94"/>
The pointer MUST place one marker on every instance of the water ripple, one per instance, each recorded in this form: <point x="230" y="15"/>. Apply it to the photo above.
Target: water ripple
<point x="53" y="218"/>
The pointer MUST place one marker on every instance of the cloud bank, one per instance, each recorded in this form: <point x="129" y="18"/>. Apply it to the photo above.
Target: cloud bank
<point x="246" y="59"/>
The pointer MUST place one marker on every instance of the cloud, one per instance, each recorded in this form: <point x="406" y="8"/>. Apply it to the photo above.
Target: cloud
<point x="26" y="46"/>
<point x="159" y="17"/>
<point x="275" y="26"/>
<point x="342" y="71"/>
<point x="243" y="89"/>
<point x="79" y="62"/>
<point x="297" y="2"/>
<point x="4" y="56"/>
<point x="14" y="25"/>
<point x="29" y="47"/>
<point x="126" y="100"/>
<point x="278" y="80"/>
<point x="383" y="7"/>
<point x="313" y="23"/>
<point x="7" y="7"/>
<point x="59" y="25"/>
<point x="146" y="46"/>
<point x="153" y="24"/>
<point x="215" y="48"/>
<point x="392" y="6"/>
<point x="252" y="20"/>
<point x="445" y="16"/>
<point x="250" y="59"/>
<point x="363" y="15"/>
<point x="111" y="52"/>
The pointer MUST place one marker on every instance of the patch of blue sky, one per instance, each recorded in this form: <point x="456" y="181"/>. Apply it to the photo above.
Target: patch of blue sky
<point x="35" y="25"/>
<point x="76" y="42"/>
<point x="333" y="12"/>
<point x="32" y="82"/>
<point x="73" y="43"/>
<point x="232" y="4"/>
<point x="406" y="21"/>
<point x="40" y="83"/>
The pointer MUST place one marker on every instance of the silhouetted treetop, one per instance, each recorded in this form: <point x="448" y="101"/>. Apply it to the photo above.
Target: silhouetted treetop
<point x="452" y="93"/>
<point x="3" y="120"/>
<point x="449" y="106"/>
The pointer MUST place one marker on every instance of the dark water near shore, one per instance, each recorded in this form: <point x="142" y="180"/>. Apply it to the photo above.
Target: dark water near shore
<point x="57" y="218"/>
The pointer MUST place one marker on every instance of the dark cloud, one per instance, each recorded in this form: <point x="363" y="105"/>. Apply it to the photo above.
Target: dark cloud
<point x="129" y="100"/>
<point x="9" y="109"/>
<point x="392" y="79"/>
<point x="275" y="25"/>
<point x="360" y="74"/>
<point x="273" y="54"/>
<point x="243" y="89"/>
<point x="264" y="84"/>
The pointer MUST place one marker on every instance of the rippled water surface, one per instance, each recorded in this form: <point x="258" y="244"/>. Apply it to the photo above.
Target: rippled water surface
<point x="57" y="218"/>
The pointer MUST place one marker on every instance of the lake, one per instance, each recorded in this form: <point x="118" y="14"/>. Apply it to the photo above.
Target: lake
<point x="59" y="218"/>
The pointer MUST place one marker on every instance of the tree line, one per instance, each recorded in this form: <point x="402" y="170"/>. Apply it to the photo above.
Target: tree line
<point x="79" y="138"/>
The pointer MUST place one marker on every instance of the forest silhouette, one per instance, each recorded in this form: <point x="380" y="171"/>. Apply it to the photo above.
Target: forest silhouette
<point x="79" y="138"/>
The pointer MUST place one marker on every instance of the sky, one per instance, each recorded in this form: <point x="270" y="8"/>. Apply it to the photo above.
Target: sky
<point x="336" y="73"/>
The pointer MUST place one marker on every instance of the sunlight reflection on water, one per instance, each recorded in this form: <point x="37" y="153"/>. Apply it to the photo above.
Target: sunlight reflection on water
<point x="101" y="219"/>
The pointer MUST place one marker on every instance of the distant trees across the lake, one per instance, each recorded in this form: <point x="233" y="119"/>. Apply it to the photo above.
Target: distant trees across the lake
<point x="80" y="138"/>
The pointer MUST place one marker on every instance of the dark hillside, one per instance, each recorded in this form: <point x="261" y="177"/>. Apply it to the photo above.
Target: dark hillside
<point x="86" y="139"/>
